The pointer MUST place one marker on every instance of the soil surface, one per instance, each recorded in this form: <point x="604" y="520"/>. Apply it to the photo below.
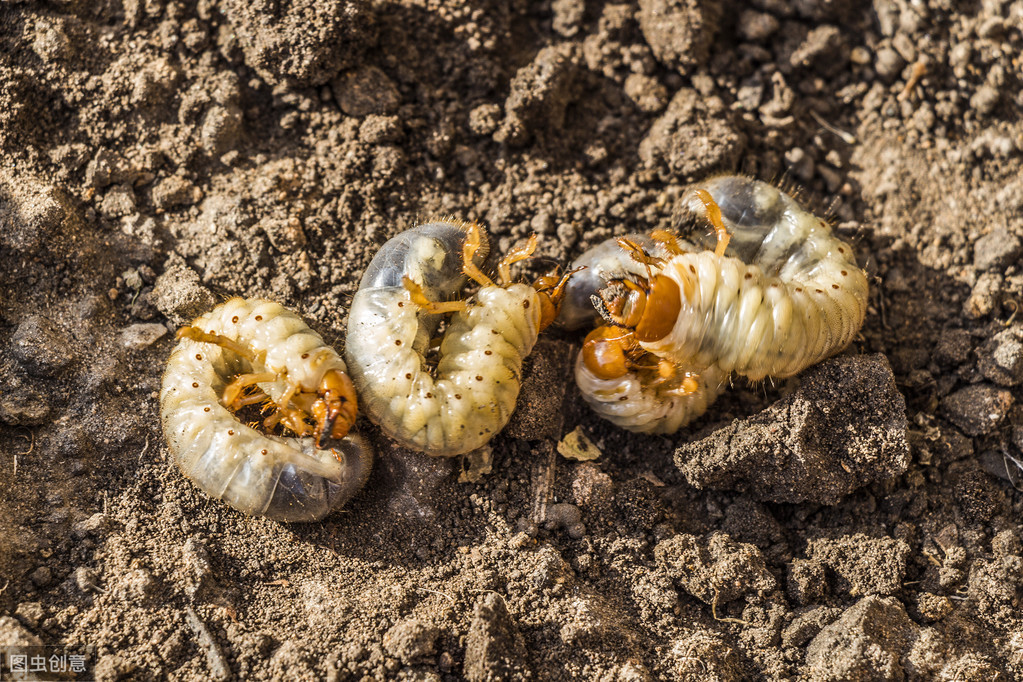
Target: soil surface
<point x="859" y="522"/>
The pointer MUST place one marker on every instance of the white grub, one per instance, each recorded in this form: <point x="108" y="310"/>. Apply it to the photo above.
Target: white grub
<point x="469" y="395"/>
<point x="282" y="478"/>
<point x="791" y="296"/>
<point x="767" y="291"/>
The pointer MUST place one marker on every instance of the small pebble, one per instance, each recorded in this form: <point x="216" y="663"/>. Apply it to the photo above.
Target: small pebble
<point x="977" y="409"/>
<point x="42" y="346"/>
<point x="1001" y="358"/>
<point x="143" y="335"/>
<point x="888" y="64"/>
<point x="42" y="576"/>
<point x="366" y="90"/>
<point x="996" y="250"/>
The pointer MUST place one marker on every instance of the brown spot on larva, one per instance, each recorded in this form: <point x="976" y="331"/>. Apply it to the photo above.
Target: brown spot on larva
<point x="401" y="304"/>
<point x="397" y="342"/>
<point x="845" y="274"/>
<point x="205" y="409"/>
<point x="198" y="356"/>
<point x="195" y="384"/>
<point x="749" y="275"/>
<point x="494" y="331"/>
<point x="525" y="304"/>
<point x="428" y="395"/>
<point x="775" y="285"/>
<point x="408" y="375"/>
<point x="259" y="318"/>
<point x="305" y="356"/>
<point x="488" y="352"/>
<point x="230" y="432"/>
<point x="834" y="286"/>
<point x="799" y="290"/>
<point x="622" y="397"/>
<point x="262" y="452"/>
<point x="692" y="268"/>
<point x="458" y="396"/>
<point x="479" y="378"/>
<point x="841" y="250"/>
<point x="820" y="291"/>
<point x="234" y="319"/>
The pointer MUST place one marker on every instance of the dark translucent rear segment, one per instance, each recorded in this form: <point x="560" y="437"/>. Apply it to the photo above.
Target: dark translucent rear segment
<point x="745" y="202"/>
<point x="303" y="496"/>
<point x="431" y="252"/>
<point x="751" y="210"/>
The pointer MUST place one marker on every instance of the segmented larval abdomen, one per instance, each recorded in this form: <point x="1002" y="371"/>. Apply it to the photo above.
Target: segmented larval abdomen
<point x="472" y="394"/>
<point x="630" y="403"/>
<point x="735" y="316"/>
<point x="286" y="479"/>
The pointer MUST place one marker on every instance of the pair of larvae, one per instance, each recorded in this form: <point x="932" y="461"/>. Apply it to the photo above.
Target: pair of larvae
<point x="749" y="283"/>
<point x="253" y="352"/>
<point x="760" y="288"/>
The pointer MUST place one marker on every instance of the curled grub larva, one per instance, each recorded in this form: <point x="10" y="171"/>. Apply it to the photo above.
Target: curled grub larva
<point x="462" y="402"/>
<point x="249" y="351"/>
<point x="767" y="291"/>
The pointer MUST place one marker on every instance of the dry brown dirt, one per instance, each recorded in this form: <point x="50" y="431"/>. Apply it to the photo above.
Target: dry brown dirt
<point x="157" y="157"/>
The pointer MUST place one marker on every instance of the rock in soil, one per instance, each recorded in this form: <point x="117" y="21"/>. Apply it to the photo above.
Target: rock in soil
<point x="843" y="428"/>
<point x="494" y="649"/>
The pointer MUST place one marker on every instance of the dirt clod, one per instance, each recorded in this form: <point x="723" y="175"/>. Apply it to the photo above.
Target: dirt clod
<point x="299" y="42"/>
<point x="693" y="138"/>
<point x="1001" y="358"/>
<point x="715" y="569"/>
<point x="410" y="640"/>
<point x="861" y="564"/>
<point x="868" y="641"/>
<point x="996" y="250"/>
<point x="819" y="444"/>
<point x="493" y="648"/>
<point x="42" y="347"/>
<point x="977" y="409"/>
<point x="538" y="413"/>
<point x="179" y="295"/>
<point x="540" y="94"/>
<point x="679" y="32"/>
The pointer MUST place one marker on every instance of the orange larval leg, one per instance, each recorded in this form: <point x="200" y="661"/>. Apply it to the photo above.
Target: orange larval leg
<point x="551" y="289"/>
<point x="233" y="391"/>
<point x="473" y="243"/>
<point x="639" y="254"/>
<point x="714" y="216"/>
<point x="514" y="256"/>
<point x="290" y="418"/>
<point x="254" y="398"/>
<point x="432" y="307"/>
<point x="196" y="334"/>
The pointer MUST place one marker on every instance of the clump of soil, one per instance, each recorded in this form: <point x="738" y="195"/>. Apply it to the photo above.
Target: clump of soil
<point x="157" y="157"/>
